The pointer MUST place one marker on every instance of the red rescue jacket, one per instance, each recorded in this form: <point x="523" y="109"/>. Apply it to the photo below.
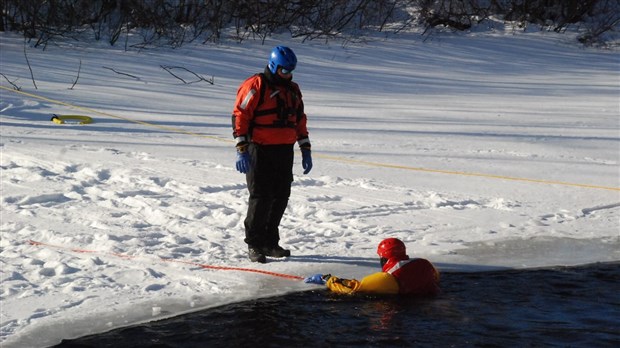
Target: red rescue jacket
<point x="268" y="113"/>
<point x="414" y="276"/>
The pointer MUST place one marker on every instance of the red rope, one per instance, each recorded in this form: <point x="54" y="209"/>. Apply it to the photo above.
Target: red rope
<point x="201" y="265"/>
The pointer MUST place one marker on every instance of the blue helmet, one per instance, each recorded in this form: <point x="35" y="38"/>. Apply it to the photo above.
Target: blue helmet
<point x="282" y="56"/>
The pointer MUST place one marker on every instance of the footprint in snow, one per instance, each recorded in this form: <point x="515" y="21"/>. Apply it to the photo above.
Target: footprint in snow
<point x="154" y="287"/>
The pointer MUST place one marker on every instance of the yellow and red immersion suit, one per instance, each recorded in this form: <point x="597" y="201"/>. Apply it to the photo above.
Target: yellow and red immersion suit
<point x="406" y="277"/>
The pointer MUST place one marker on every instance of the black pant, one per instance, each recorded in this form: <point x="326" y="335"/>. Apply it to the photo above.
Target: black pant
<point x="269" y="182"/>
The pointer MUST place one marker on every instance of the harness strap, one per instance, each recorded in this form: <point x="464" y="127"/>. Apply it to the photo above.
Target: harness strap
<point x="281" y="112"/>
<point x="277" y="124"/>
<point x="263" y="87"/>
<point x="265" y="112"/>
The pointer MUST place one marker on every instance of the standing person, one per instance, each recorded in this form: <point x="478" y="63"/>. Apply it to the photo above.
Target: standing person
<point x="268" y="118"/>
<point x="400" y="275"/>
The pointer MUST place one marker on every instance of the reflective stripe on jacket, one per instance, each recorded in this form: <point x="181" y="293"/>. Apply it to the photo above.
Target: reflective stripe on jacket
<point x="414" y="276"/>
<point x="269" y="114"/>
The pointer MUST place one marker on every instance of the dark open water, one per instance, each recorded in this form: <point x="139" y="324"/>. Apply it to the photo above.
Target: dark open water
<point x="555" y="307"/>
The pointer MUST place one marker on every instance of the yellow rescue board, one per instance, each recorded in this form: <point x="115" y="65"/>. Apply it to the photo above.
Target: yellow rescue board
<point x="60" y="119"/>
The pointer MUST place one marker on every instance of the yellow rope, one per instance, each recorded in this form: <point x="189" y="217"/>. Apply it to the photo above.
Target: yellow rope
<point x="334" y="158"/>
<point x="93" y="111"/>
<point x="492" y="176"/>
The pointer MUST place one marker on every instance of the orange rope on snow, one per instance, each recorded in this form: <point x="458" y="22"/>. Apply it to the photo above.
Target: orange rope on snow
<point x="165" y="259"/>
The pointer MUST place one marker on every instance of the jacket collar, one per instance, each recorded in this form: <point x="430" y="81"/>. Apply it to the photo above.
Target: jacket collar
<point x="395" y="261"/>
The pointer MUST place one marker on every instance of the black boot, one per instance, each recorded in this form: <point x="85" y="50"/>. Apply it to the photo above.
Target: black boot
<point x="256" y="255"/>
<point x="276" y="251"/>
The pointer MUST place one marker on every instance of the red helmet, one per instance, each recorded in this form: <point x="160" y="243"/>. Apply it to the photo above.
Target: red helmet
<point x="392" y="248"/>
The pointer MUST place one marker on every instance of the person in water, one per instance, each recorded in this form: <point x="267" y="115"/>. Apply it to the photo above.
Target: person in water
<point x="400" y="275"/>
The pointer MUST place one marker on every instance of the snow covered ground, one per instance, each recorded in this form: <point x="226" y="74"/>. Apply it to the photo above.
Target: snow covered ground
<point x="478" y="150"/>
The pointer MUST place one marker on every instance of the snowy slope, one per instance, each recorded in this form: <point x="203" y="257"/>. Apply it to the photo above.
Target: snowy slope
<point x="479" y="151"/>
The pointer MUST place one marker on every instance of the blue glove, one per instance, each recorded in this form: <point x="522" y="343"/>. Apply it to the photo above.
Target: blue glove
<point x="317" y="279"/>
<point x="306" y="160"/>
<point x="243" y="162"/>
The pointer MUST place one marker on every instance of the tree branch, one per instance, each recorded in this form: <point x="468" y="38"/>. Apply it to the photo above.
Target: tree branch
<point x="78" y="75"/>
<point x="200" y="78"/>
<point x="122" y="73"/>
<point x="30" y="68"/>
<point x="17" y="88"/>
